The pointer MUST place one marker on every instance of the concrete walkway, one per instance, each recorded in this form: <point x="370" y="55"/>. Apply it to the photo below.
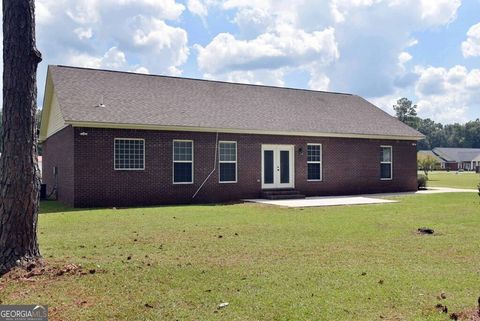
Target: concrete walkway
<point x="319" y="201"/>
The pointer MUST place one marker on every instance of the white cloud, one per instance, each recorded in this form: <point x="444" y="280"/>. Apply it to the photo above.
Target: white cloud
<point x="403" y="58"/>
<point x="197" y="7"/>
<point x="112" y="59"/>
<point x="471" y="46"/>
<point x="285" y="48"/>
<point x="253" y="21"/>
<point x="160" y="40"/>
<point x="93" y="11"/>
<point x="447" y="94"/>
<point x="318" y="81"/>
<point x="257" y="77"/>
<point x="360" y="42"/>
<point x="438" y="12"/>
<point x="83" y="33"/>
<point x="137" y="28"/>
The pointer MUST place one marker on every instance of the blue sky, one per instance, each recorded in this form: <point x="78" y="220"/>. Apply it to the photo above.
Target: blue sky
<point x="426" y="50"/>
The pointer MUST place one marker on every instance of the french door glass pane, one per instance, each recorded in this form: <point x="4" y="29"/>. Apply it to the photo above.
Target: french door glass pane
<point x="284" y="167"/>
<point x="268" y="166"/>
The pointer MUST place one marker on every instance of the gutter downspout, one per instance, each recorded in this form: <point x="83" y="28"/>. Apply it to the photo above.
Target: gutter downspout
<point x="213" y="170"/>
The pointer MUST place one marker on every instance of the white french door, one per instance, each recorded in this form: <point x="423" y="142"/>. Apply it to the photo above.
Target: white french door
<point x="278" y="166"/>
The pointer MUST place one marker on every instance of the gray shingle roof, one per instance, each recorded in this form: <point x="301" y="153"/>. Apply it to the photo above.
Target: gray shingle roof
<point x="431" y="154"/>
<point x="171" y="101"/>
<point x="458" y="154"/>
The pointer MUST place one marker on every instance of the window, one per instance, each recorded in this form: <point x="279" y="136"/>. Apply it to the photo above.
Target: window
<point x="228" y="162"/>
<point x="182" y="162"/>
<point x="314" y="162"/>
<point x="386" y="169"/>
<point x="129" y="154"/>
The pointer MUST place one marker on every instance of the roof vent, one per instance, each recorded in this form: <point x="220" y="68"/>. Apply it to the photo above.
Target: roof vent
<point x="100" y="103"/>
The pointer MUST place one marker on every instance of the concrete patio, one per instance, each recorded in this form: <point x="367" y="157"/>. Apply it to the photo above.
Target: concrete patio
<point x="319" y="201"/>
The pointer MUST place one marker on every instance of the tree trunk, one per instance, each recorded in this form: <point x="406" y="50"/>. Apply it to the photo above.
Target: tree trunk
<point x="19" y="174"/>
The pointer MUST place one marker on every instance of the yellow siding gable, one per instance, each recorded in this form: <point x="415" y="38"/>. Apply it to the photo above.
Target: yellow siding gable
<point x="52" y="118"/>
<point x="55" y="119"/>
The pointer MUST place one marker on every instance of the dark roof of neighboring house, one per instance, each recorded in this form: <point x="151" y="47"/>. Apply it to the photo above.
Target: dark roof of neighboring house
<point x="149" y="100"/>
<point x="431" y="154"/>
<point x="458" y="154"/>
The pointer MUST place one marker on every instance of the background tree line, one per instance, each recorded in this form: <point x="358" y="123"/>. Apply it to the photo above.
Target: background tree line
<point x="438" y="135"/>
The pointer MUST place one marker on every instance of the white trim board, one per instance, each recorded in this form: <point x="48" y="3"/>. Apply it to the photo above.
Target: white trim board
<point x="238" y="131"/>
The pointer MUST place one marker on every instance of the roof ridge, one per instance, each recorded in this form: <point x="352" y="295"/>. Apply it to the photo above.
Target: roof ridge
<point x="206" y="80"/>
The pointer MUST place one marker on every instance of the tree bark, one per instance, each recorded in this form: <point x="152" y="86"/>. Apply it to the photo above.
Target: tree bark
<point x="19" y="174"/>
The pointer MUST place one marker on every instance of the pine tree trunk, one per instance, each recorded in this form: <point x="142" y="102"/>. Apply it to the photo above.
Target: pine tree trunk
<point x="19" y="175"/>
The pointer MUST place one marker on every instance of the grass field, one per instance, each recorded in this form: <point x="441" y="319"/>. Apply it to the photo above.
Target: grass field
<point x="453" y="179"/>
<point x="338" y="263"/>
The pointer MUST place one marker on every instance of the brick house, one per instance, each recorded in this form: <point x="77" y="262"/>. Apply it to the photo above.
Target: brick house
<point x="123" y="139"/>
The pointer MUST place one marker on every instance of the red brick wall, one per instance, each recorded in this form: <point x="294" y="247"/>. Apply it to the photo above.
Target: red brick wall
<point x="58" y="151"/>
<point x="350" y="166"/>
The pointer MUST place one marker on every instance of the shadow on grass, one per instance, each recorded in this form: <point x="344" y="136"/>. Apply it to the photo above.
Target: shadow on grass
<point x="49" y="207"/>
<point x="52" y="207"/>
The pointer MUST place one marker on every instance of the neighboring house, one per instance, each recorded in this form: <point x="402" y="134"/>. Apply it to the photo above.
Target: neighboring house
<point x="440" y="162"/>
<point x="122" y="139"/>
<point x="458" y="158"/>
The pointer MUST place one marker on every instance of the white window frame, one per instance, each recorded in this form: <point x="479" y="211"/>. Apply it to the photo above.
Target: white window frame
<point x="390" y="162"/>
<point x="316" y="162"/>
<point x="228" y="162"/>
<point x="114" y="155"/>
<point x="174" y="161"/>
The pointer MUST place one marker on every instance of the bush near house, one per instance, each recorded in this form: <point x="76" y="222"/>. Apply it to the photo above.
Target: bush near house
<point x="422" y="181"/>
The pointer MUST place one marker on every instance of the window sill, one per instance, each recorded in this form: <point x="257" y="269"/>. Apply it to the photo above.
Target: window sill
<point x="182" y="183"/>
<point x="314" y="180"/>
<point x="232" y="182"/>
<point x="386" y="179"/>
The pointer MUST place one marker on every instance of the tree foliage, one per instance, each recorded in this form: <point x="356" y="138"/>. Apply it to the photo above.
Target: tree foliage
<point x="427" y="163"/>
<point x="438" y="135"/>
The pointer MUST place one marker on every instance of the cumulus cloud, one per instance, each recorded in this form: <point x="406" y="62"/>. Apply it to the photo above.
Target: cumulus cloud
<point x="438" y="12"/>
<point x="197" y="7"/>
<point x="256" y="77"/>
<point x="369" y="60"/>
<point x="318" y="81"/>
<point x="132" y="35"/>
<point x="112" y="59"/>
<point x="288" y="47"/>
<point x="284" y="48"/>
<point x="446" y="94"/>
<point x="83" y="33"/>
<point x="471" y="46"/>
<point x="357" y="46"/>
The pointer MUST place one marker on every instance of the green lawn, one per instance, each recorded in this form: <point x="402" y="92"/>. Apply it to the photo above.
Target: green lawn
<point x="269" y="263"/>
<point x="453" y="179"/>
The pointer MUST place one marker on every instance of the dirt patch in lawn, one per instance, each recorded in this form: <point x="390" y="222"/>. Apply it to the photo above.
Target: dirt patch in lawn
<point x="467" y="315"/>
<point x="39" y="270"/>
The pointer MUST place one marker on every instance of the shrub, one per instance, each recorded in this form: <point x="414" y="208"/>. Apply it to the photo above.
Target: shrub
<point x="422" y="181"/>
<point x="478" y="195"/>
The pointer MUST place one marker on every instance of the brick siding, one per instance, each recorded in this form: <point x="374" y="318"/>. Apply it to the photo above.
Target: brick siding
<point x="58" y="151"/>
<point x="350" y="166"/>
